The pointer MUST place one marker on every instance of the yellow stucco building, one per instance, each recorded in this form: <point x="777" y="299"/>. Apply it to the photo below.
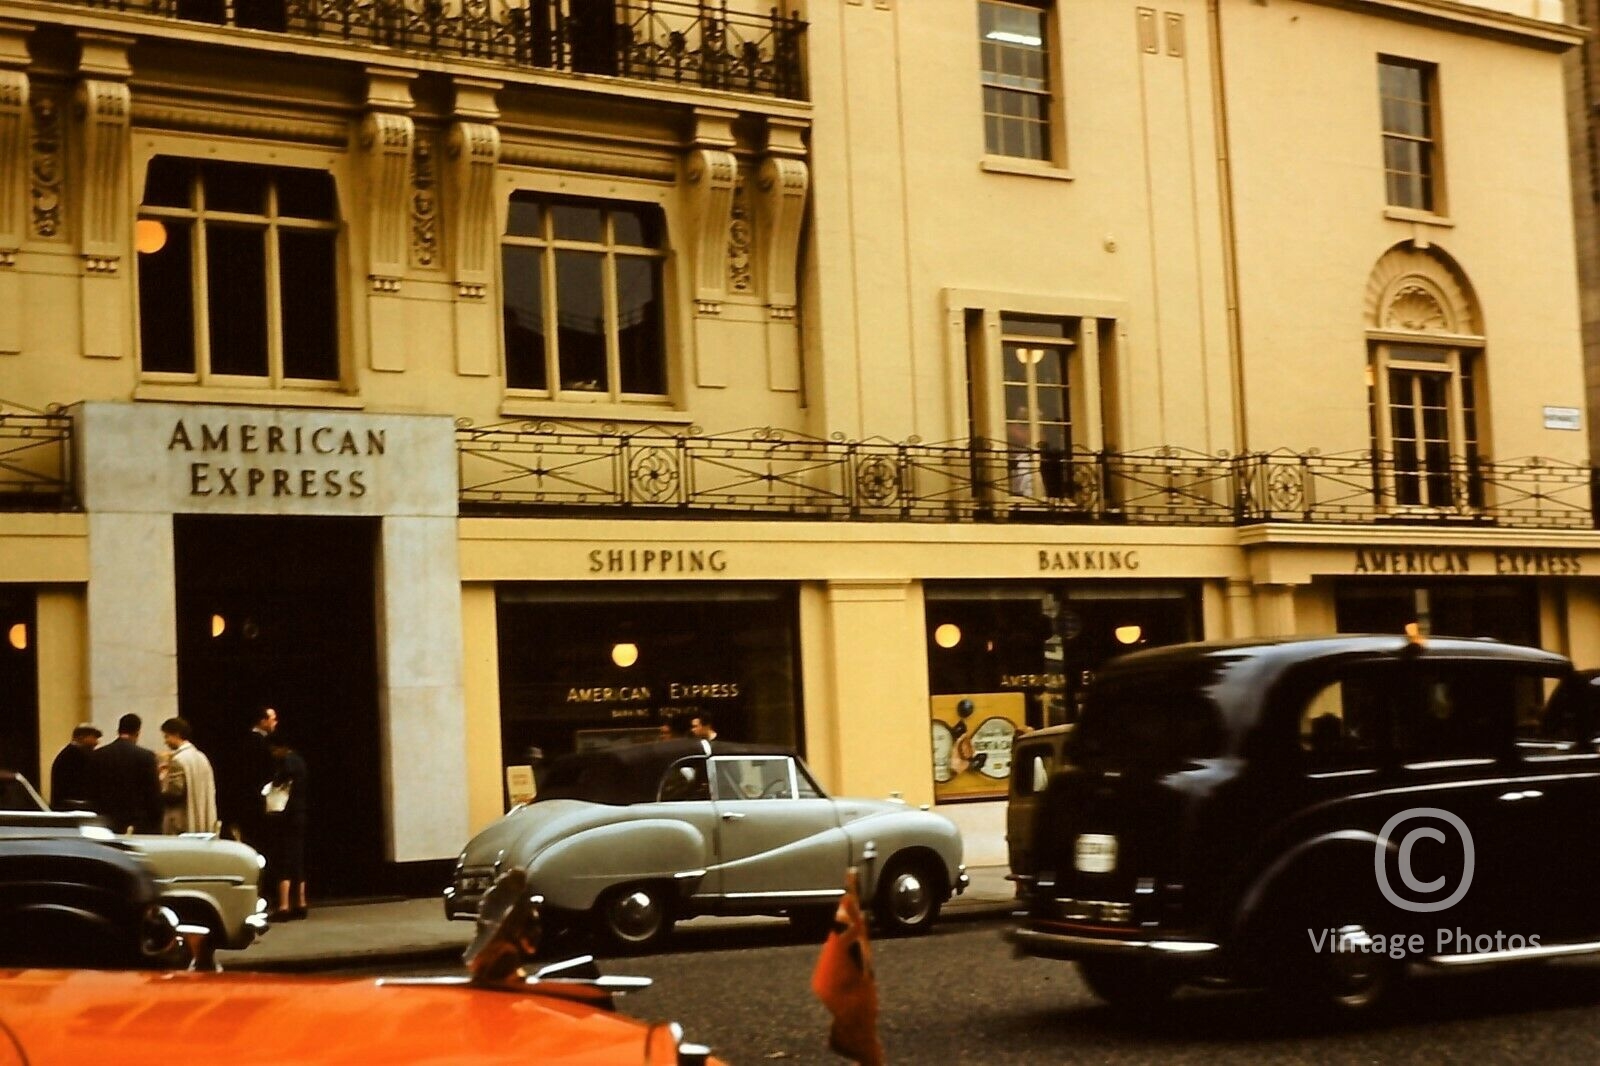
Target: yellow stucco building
<point x="480" y="381"/>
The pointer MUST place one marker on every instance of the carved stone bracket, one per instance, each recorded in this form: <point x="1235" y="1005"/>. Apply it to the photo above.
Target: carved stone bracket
<point x="474" y="152"/>
<point x="711" y="175"/>
<point x="13" y="162"/>
<point x="104" y="107"/>
<point x="388" y="139"/>
<point x="784" y="183"/>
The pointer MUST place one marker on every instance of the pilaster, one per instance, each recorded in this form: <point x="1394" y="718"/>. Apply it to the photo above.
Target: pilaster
<point x="14" y="59"/>
<point x="473" y="151"/>
<point x="102" y="105"/>
<point x="387" y="136"/>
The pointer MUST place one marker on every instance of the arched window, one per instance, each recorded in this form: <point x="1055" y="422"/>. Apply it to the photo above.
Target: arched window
<point x="1424" y="382"/>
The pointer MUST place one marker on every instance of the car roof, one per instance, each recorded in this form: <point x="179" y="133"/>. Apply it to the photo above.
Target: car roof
<point x="630" y="773"/>
<point x="1284" y="651"/>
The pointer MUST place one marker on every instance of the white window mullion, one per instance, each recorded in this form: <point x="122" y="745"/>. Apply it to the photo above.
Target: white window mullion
<point x="608" y="282"/>
<point x="202" y="302"/>
<point x="275" y="368"/>
<point x="552" y="320"/>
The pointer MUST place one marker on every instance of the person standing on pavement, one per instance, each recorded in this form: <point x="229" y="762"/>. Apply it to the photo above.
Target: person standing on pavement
<point x="72" y="773"/>
<point x="286" y="830"/>
<point x="188" y="785"/>
<point x="702" y="726"/>
<point x="128" y="781"/>
<point x="243" y="779"/>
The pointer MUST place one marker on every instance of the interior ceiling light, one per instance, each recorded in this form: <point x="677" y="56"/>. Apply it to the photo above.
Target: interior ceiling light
<point x="948" y="635"/>
<point x="625" y="654"/>
<point x="19" y="636"/>
<point x="149" y="235"/>
<point x="1129" y="634"/>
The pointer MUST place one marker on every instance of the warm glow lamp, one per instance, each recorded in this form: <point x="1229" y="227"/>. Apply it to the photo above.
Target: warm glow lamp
<point x="219" y="625"/>
<point x="1129" y="634"/>
<point x="624" y="655"/>
<point x="947" y="635"/>
<point x="149" y="236"/>
<point x="19" y="636"/>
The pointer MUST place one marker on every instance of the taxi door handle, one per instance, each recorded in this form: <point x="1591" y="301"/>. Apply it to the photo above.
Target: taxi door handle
<point x="732" y="816"/>
<point x="1530" y="794"/>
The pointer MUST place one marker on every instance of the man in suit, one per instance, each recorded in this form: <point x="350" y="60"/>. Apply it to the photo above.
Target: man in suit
<point x="243" y="776"/>
<point x="128" y="787"/>
<point x="71" y="776"/>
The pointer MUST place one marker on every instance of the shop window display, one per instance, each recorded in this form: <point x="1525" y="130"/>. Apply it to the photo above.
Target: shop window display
<point x="1005" y="659"/>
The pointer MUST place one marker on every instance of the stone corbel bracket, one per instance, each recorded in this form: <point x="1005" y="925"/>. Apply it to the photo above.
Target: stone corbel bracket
<point x="13" y="163"/>
<point x="387" y="139"/>
<point x="104" y="107"/>
<point x="474" y="152"/>
<point x="710" y="174"/>
<point x="784" y="180"/>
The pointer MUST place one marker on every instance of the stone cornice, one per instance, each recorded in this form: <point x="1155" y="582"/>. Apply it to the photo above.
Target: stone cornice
<point x="190" y="118"/>
<point x="589" y="160"/>
<point x="1469" y="18"/>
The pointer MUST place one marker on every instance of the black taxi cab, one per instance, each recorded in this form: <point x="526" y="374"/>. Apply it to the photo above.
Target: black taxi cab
<point x="1320" y="815"/>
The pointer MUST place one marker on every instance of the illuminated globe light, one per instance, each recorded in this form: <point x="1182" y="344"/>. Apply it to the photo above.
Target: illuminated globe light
<point x="219" y="625"/>
<point x="1128" y="634"/>
<point x="947" y="635"/>
<point x="19" y="636"/>
<point x="149" y="236"/>
<point x="624" y="655"/>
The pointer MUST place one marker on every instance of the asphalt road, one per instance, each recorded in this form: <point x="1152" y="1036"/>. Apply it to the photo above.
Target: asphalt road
<point x="958" y="996"/>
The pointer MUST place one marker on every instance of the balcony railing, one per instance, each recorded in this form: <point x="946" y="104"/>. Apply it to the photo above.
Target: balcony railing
<point x="35" y="461"/>
<point x="705" y="43"/>
<point x="550" y="467"/>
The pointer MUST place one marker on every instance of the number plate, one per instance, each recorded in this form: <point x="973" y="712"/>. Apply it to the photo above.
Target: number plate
<point x="1097" y="853"/>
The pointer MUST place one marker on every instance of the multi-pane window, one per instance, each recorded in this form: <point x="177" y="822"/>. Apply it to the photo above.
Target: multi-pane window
<point x="237" y="273"/>
<point x="1426" y="421"/>
<point x="1410" y="137"/>
<point x="1016" y="78"/>
<point x="584" y="309"/>
<point x="1036" y="378"/>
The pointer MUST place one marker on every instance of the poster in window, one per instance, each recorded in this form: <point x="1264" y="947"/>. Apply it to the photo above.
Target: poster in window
<point x="972" y="734"/>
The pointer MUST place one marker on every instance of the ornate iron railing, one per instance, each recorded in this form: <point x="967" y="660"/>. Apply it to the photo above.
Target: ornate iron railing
<point x="713" y="44"/>
<point x="35" y="460"/>
<point x="524" y="467"/>
<point x="1528" y="493"/>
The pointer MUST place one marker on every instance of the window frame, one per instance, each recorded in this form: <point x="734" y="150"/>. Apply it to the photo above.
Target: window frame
<point x="1460" y="365"/>
<point x="196" y="216"/>
<point x="1051" y="138"/>
<point x="548" y="245"/>
<point x="1429" y="180"/>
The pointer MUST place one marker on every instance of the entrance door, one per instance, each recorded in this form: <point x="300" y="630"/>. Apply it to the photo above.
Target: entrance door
<point x="279" y="612"/>
<point x="19" y="687"/>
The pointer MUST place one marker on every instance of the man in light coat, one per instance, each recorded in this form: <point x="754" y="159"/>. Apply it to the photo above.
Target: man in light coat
<point x="188" y="786"/>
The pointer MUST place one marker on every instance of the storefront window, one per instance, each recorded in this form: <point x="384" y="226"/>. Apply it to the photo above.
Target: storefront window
<point x="19" y="708"/>
<point x="1013" y="657"/>
<point x="1504" y="610"/>
<point x="585" y="667"/>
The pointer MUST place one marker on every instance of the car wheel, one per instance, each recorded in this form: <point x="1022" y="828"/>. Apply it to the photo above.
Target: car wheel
<point x="909" y="896"/>
<point x="1127" y="984"/>
<point x="1349" y="981"/>
<point x="634" y="917"/>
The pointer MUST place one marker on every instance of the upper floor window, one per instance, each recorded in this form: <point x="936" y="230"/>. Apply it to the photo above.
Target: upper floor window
<point x="1425" y="418"/>
<point x="1407" y="91"/>
<point x="584" y="309"/>
<point x="1036" y="364"/>
<point x="237" y="273"/>
<point x="1016" y="79"/>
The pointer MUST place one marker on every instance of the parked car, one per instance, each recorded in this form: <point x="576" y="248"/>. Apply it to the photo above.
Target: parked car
<point x="69" y="901"/>
<point x="561" y="1015"/>
<point x="1321" y="815"/>
<point x="626" y="840"/>
<point x="207" y="881"/>
<point x="1034" y="757"/>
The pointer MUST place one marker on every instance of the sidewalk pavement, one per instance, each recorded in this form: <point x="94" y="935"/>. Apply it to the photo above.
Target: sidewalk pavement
<point x="416" y="932"/>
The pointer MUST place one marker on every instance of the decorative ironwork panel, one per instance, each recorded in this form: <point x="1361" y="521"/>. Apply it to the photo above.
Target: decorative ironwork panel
<point x="35" y="462"/>
<point x="706" y="43"/>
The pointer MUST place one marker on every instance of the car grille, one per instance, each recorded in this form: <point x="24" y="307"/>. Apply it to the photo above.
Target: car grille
<point x="1109" y="912"/>
<point x="474" y="880"/>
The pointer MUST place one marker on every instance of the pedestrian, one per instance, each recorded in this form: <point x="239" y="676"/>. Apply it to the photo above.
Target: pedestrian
<point x="703" y="726"/>
<point x="242" y="779"/>
<point x="128" y="781"/>
<point x="287" y="804"/>
<point x="72" y="775"/>
<point x="188" y="785"/>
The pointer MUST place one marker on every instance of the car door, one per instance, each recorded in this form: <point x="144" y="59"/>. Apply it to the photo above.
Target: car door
<point x="777" y="835"/>
<point x="684" y="794"/>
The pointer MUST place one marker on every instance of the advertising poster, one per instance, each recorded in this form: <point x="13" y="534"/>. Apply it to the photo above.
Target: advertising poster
<point x="972" y="735"/>
<point x="519" y="784"/>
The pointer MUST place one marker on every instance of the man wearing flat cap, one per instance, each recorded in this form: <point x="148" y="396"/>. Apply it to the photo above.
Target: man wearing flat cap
<point x="71" y="779"/>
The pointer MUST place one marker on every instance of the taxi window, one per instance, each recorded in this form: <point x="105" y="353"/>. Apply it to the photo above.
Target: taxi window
<point x="1342" y="725"/>
<point x="1569" y="722"/>
<point x="1450" y="711"/>
<point x="1031" y="772"/>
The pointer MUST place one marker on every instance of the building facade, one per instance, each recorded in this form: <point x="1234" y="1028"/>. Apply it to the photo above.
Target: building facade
<point x="482" y="382"/>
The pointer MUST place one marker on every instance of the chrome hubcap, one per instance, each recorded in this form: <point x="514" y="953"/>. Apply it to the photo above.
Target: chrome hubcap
<point x="908" y="897"/>
<point x="636" y="915"/>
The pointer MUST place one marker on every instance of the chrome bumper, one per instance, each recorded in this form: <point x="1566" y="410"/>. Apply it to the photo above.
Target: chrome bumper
<point x="460" y="907"/>
<point x="1076" y="946"/>
<point x="963" y="881"/>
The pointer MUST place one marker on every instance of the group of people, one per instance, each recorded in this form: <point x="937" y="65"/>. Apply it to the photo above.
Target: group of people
<point x="700" y="726"/>
<point x="263" y="802"/>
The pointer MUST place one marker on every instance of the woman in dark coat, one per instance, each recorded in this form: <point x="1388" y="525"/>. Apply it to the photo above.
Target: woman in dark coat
<point x="286" y="830"/>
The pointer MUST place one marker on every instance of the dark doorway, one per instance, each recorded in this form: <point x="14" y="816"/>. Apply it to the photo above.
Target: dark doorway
<point x="19" y="683"/>
<point x="279" y="612"/>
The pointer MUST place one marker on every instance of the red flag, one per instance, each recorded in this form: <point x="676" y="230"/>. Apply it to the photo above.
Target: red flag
<point x="843" y="980"/>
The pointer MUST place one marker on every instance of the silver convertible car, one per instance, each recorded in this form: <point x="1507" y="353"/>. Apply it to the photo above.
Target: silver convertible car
<point x="628" y="840"/>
